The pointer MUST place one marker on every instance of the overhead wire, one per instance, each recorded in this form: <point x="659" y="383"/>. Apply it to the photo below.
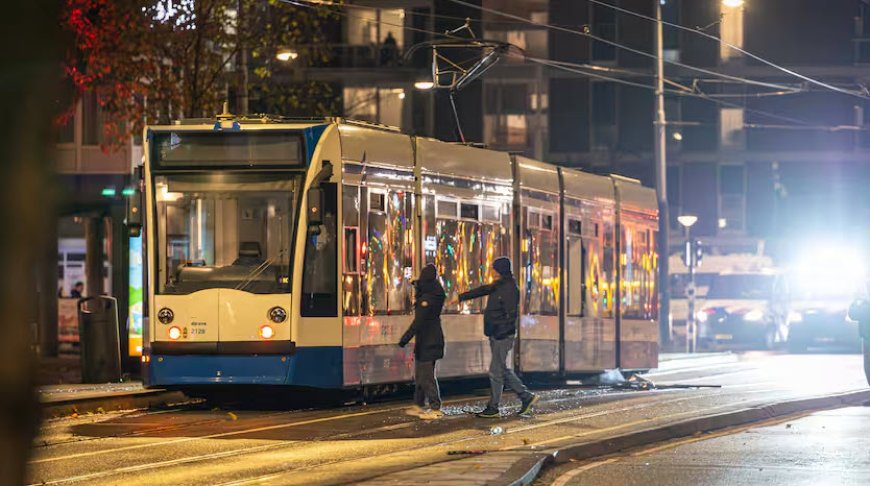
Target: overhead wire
<point x="622" y="46"/>
<point x="734" y="47"/>
<point x="679" y="92"/>
<point x="572" y="67"/>
<point x="781" y="89"/>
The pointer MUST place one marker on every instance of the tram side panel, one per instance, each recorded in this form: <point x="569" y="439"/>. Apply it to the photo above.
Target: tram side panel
<point x="466" y="224"/>
<point x="539" y="268"/>
<point x="378" y="255"/>
<point x="639" y="334"/>
<point x="590" y="324"/>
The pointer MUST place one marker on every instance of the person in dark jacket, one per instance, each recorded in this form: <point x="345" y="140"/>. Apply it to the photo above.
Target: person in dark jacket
<point x="860" y="311"/>
<point x="500" y="326"/>
<point x="429" y="348"/>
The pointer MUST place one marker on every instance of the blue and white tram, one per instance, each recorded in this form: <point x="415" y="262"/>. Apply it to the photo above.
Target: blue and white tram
<point x="281" y="252"/>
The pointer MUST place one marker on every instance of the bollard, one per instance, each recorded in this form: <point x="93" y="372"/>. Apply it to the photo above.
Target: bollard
<point x="99" y="340"/>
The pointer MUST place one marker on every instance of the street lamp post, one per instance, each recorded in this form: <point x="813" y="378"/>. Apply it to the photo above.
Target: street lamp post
<point x="691" y="329"/>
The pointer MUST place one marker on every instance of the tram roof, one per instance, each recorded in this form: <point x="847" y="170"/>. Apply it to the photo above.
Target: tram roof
<point x="367" y="144"/>
<point x="583" y="185"/>
<point x="633" y="195"/>
<point x="463" y="161"/>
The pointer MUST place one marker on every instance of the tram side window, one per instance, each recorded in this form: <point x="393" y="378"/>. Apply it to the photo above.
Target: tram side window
<point x="608" y="272"/>
<point x="389" y="248"/>
<point x="575" y="290"/>
<point x="462" y="239"/>
<point x="638" y="273"/>
<point x="319" y="286"/>
<point x="352" y="261"/>
<point x="595" y="283"/>
<point x="540" y="259"/>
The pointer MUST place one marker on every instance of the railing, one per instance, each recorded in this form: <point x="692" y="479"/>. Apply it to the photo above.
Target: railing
<point x="353" y="56"/>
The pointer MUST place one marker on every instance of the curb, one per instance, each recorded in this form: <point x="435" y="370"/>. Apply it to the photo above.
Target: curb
<point x="678" y="430"/>
<point x="106" y="403"/>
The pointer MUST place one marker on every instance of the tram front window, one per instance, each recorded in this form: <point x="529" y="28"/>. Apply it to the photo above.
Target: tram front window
<point x="227" y="231"/>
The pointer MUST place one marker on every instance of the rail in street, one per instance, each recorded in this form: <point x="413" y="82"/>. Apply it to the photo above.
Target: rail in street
<point x="200" y="445"/>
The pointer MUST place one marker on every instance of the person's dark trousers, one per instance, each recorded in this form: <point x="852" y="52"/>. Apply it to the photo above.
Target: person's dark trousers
<point x="426" y="385"/>
<point x="500" y="374"/>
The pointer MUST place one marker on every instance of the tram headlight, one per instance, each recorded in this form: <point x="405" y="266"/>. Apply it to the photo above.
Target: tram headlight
<point x="165" y="315"/>
<point x="266" y="332"/>
<point x="174" y="333"/>
<point x="277" y="315"/>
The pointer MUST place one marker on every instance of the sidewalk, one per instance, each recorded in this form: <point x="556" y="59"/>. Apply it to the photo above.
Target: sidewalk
<point x="59" y="400"/>
<point x="824" y="448"/>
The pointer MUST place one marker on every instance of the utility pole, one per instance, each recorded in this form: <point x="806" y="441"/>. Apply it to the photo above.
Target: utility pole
<point x="661" y="162"/>
<point x="242" y="61"/>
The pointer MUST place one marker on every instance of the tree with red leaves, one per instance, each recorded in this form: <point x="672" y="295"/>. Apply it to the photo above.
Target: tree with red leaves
<point x="153" y="61"/>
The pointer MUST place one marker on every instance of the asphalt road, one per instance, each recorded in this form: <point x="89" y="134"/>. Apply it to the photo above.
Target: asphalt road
<point x="201" y="445"/>
<point x="831" y="447"/>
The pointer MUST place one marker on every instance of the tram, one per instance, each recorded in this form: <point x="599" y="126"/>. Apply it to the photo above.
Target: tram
<point x="281" y="252"/>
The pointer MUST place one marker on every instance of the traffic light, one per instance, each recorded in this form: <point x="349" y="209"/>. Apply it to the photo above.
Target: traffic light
<point x="694" y="253"/>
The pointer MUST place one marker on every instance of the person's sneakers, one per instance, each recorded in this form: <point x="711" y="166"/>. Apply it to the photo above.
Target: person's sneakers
<point x="415" y="411"/>
<point x="432" y="415"/>
<point x="489" y="413"/>
<point x="529" y="402"/>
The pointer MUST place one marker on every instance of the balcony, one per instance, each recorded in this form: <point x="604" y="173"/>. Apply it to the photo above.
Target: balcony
<point x="352" y="56"/>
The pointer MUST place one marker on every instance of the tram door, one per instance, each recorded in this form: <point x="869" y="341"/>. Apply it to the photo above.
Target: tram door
<point x="575" y="258"/>
<point x="589" y="335"/>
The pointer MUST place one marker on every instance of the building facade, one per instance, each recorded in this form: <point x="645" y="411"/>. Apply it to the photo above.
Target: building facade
<point x="753" y="163"/>
<point x="93" y="181"/>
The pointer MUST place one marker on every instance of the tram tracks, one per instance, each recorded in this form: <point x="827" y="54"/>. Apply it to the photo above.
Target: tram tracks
<point x="311" y="412"/>
<point x="263" y="448"/>
<point x="239" y="452"/>
<point x="45" y="442"/>
<point x="509" y="431"/>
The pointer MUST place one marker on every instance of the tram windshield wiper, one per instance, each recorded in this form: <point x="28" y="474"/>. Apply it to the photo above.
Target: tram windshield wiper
<point x="257" y="271"/>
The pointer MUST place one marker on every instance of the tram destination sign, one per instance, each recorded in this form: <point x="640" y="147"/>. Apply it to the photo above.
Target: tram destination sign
<point x="201" y="150"/>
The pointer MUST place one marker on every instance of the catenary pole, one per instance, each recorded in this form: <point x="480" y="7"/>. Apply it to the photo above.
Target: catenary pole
<point x="661" y="171"/>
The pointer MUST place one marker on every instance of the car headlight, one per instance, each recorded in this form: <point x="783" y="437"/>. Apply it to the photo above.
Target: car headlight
<point x="753" y="316"/>
<point x="165" y="315"/>
<point x="277" y="315"/>
<point x="795" y="316"/>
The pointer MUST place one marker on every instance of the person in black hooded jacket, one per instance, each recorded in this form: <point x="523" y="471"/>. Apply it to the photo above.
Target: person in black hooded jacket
<point x="860" y="311"/>
<point x="500" y="326"/>
<point x="429" y="348"/>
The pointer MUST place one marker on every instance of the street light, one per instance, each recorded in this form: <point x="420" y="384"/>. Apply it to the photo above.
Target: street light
<point x="286" y="55"/>
<point x="424" y="85"/>
<point x="732" y="3"/>
<point x="687" y="221"/>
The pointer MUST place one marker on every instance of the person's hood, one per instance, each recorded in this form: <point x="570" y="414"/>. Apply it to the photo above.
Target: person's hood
<point x="503" y="266"/>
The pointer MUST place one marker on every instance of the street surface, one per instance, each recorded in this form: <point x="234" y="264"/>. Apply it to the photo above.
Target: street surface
<point x="829" y="447"/>
<point x="197" y="445"/>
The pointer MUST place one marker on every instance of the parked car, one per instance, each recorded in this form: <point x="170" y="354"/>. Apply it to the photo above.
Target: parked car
<point x="711" y="266"/>
<point x="821" y="321"/>
<point x="744" y="310"/>
<point x="821" y="290"/>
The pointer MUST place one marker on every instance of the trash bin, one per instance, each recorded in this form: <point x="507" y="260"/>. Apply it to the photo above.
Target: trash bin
<point x="99" y="341"/>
